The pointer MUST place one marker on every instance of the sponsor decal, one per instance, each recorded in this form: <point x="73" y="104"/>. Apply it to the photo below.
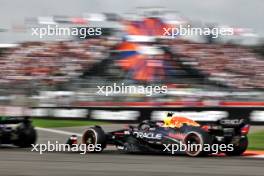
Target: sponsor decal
<point x="231" y="121"/>
<point x="146" y="135"/>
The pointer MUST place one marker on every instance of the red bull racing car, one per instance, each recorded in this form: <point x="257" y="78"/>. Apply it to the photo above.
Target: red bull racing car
<point x="169" y="135"/>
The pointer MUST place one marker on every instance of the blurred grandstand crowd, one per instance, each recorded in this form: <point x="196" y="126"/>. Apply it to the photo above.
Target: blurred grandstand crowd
<point x="191" y="70"/>
<point x="50" y="62"/>
<point x="230" y="65"/>
<point x="65" y="66"/>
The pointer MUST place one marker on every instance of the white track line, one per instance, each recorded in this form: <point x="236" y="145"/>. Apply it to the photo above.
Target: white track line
<point x="256" y="156"/>
<point x="58" y="131"/>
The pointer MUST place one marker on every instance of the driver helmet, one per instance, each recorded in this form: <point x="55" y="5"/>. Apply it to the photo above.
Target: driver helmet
<point x="167" y="120"/>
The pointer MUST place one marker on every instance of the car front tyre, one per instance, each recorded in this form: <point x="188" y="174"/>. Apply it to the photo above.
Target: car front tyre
<point x="95" y="136"/>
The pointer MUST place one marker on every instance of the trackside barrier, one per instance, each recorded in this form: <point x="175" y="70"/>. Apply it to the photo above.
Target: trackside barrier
<point x="254" y="115"/>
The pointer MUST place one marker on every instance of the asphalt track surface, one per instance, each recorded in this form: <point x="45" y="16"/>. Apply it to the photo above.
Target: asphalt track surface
<point x="24" y="162"/>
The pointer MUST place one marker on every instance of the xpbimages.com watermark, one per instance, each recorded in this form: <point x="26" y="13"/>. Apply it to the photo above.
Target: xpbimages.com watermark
<point x="212" y="148"/>
<point x="131" y="89"/>
<point x="55" y="30"/>
<point x="181" y="30"/>
<point x="57" y="147"/>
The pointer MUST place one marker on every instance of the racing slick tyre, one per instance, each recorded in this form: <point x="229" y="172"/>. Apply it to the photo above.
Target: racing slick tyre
<point x="25" y="135"/>
<point x="96" y="136"/>
<point x="195" y="141"/>
<point x="240" y="148"/>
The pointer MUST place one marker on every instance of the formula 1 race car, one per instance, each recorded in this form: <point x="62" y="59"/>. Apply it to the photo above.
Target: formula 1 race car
<point x="17" y="131"/>
<point x="156" y="136"/>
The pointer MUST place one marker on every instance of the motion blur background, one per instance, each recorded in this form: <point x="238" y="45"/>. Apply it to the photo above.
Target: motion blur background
<point x="66" y="70"/>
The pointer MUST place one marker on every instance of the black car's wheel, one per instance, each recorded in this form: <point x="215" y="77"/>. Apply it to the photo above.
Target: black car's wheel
<point x="95" y="136"/>
<point x="240" y="148"/>
<point x="195" y="140"/>
<point x="26" y="135"/>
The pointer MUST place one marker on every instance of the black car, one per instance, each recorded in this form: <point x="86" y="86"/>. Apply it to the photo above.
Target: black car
<point x="17" y="131"/>
<point x="154" y="137"/>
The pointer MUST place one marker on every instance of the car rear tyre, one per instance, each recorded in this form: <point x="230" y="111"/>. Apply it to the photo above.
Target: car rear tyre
<point x="95" y="136"/>
<point x="195" y="141"/>
<point x="240" y="148"/>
